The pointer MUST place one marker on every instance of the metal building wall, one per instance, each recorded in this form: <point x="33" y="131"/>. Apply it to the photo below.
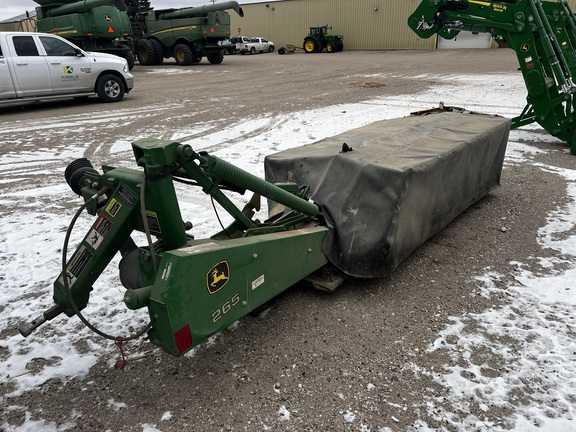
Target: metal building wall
<point x="28" y="24"/>
<point x="365" y="24"/>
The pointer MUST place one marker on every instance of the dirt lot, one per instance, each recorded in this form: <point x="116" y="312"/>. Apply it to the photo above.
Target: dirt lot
<point x="319" y="355"/>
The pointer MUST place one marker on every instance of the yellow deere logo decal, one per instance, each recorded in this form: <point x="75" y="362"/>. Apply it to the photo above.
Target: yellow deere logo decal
<point x="217" y="277"/>
<point x="524" y="47"/>
<point x="107" y="18"/>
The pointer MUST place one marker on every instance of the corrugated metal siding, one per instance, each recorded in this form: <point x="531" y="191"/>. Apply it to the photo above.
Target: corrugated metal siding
<point x="365" y="24"/>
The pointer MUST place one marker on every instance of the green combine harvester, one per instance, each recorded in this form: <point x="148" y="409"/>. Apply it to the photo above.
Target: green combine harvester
<point x="187" y="34"/>
<point x="93" y="25"/>
<point x="543" y="35"/>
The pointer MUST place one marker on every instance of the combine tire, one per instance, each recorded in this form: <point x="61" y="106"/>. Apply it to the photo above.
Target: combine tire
<point x="310" y="46"/>
<point x="158" y="51"/>
<point x="183" y="55"/>
<point x="110" y="88"/>
<point x="127" y="55"/>
<point x="146" y="52"/>
<point x="330" y="47"/>
<point x="216" y="58"/>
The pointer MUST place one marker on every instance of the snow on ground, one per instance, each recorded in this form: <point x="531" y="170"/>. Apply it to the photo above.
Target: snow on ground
<point x="539" y="317"/>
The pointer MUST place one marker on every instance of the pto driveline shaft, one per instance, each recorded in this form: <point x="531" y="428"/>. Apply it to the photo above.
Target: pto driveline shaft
<point x="222" y="170"/>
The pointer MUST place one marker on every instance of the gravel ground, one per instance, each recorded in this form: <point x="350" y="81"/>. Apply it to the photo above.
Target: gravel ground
<point x="321" y="357"/>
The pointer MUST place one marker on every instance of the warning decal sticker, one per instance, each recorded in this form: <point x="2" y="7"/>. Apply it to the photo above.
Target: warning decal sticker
<point x="153" y="222"/>
<point x="77" y="264"/>
<point x="113" y="207"/>
<point x="98" y="232"/>
<point x="125" y="196"/>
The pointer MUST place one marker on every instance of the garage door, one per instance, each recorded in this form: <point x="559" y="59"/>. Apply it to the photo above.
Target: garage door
<point x="465" y="39"/>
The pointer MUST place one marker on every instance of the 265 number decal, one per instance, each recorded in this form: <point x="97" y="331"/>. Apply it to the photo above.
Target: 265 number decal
<point x="225" y="308"/>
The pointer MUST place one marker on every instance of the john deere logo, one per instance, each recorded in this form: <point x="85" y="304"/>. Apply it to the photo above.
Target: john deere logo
<point x="68" y="69"/>
<point x="217" y="277"/>
<point x="524" y="47"/>
<point x="107" y="18"/>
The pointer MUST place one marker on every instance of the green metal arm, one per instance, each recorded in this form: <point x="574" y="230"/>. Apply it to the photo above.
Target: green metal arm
<point x="543" y="35"/>
<point x="180" y="279"/>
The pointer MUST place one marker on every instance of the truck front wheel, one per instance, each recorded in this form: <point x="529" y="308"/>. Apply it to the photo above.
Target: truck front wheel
<point x="110" y="88"/>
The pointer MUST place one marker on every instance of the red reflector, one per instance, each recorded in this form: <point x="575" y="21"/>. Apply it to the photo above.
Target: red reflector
<point x="183" y="338"/>
<point x="88" y="34"/>
<point x="212" y="30"/>
<point x="110" y="29"/>
<point x="56" y="29"/>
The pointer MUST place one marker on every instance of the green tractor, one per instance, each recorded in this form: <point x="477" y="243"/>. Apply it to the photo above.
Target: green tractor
<point x="319" y="39"/>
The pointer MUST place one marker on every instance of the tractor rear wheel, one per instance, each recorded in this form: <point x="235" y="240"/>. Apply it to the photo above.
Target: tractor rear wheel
<point x="330" y="47"/>
<point x="216" y="58"/>
<point x="183" y="55"/>
<point x="310" y="45"/>
<point x="145" y="52"/>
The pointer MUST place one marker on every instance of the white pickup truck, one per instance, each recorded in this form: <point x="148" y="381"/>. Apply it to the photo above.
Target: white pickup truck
<point x="255" y="45"/>
<point x="39" y="66"/>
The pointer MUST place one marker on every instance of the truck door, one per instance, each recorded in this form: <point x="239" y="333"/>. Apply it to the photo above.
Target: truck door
<point x="30" y="68"/>
<point x="6" y="86"/>
<point x="70" y="70"/>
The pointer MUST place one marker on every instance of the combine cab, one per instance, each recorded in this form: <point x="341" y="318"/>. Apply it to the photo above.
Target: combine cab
<point x="186" y="34"/>
<point x="93" y="25"/>
<point x="319" y="39"/>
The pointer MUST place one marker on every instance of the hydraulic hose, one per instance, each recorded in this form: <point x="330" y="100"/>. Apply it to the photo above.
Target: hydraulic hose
<point x="66" y="285"/>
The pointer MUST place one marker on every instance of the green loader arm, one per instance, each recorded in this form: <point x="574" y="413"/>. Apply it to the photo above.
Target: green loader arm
<point x="543" y="36"/>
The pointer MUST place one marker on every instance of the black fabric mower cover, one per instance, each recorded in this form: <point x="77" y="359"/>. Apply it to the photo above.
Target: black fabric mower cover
<point x="404" y="180"/>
